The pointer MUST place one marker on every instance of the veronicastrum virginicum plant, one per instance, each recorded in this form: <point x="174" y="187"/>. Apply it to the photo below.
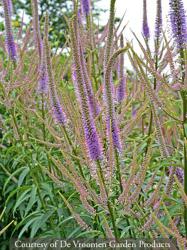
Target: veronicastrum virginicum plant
<point x="74" y="155"/>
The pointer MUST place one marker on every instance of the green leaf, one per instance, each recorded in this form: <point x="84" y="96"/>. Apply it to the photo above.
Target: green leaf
<point x="40" y="222"/>
<point x="125" y="231"/>
<point x="66" y="220"/>
<point x="10" y="177"/>
<point x="23" y="175"/>
<point x="25" y="228"/>
<point x="32" y="199"/>
<point x="185" y="127"/>
<point x="25" y="220"/>
<point x="86" y="233"/>
<point x="73" y="233"/>
<point x="2" y="213"/>
<point x="24" y="196"/>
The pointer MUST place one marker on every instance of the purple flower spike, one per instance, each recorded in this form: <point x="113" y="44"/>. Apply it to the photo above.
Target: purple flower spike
<point x="10" y="8"/>
<point x="121" y="90"/>
<point x="90" y="131"/>
<point x="43" y="81"/>
<point x="94" y="108"/>
<point x="92" y="140"/>
<point x="43" y="77"/>
<point x="91" y="136"/>
<point x="58" y="113"/>
<point x="80" y="16"/>
<point x="145" y="27"/>
<point x="11" y="48"/>
<point x="178" y="22"/>
<point x="88" y="87"/>
<point x="180" y="174"/>
<point x="122" y="80"/>
<point x="85" y="7"/>
<point x="158" y="21"/>
<point x="113" y="128"/>
<point x="36" y="27"/>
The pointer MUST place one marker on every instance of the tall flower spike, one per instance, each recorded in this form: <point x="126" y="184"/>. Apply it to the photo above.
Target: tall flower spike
<point x="111" y="124"/>
<point x="110" y="35"/>
<point x="90" y="132"/>
<point x="110" y="112"/>
<point x="36" y="27"/>
<point x="80" y="16"/>
<point x="108" y="47"/>
<point x="178" y="22"/>
<point x="43" y="77"/>
<point x="10" y="6"/>
<point x="55" y="103"/>
<point x="122" y="80"/>
<point x="93" y="106"/>
<point x="145" y="28"/>
<point x="88" y="86"/>
<point x="11" y="48"/>
<point x="85" y="4"/>
<point x="158" y="21"/>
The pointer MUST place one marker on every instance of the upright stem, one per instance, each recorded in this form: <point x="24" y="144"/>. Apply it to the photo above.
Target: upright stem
<point x="185" y="185"/>
<point x="44" y="138"/>
<point x="90" y="41"/>
<point x="184" y="98"/>
<point x="149" y="131"/>
<point x="17" y="127"/>
<point x="118" y="173"/>
<point x="154" y="86"/>
<point x="108" y="202"/>
<point x="43" y="117"/>
<point x="184" y="103"/>
<point x="74" y="150"/>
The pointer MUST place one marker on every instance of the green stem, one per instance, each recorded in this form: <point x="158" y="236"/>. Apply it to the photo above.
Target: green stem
<point x="118" y="175"/>
<point x="156" y="60"/>
<point x="44" y="138"/>
<point x="184" y="103"/>
<point x="118" y="172"/>
<point x="108" y="202"/>
<point x="149" y="132"/>
<point x="74" y="151"/>
<point x="17" y="128"/>
<point x="184" y="97"/>
<point x="43" y="117"/>
<point x="39" y="193"/>
<point x="154" y="86"/>
<point x="37" y="183"/>
<point x="143" y="125"/>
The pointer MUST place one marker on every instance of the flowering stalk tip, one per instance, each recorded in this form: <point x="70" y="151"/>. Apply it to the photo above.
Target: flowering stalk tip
<point x="43" y="77"/>
<point x="158" y="21"/>
<point x="145" y="27"/>
<point x="85" y="7"/>
<point x="178" y="22"/>
<point x="36" y="27"/>
<point x="90" y="131"/>
<point x="11" y="47"/>
<point x="55" y="103"/>
<point x="122" y="80"/>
